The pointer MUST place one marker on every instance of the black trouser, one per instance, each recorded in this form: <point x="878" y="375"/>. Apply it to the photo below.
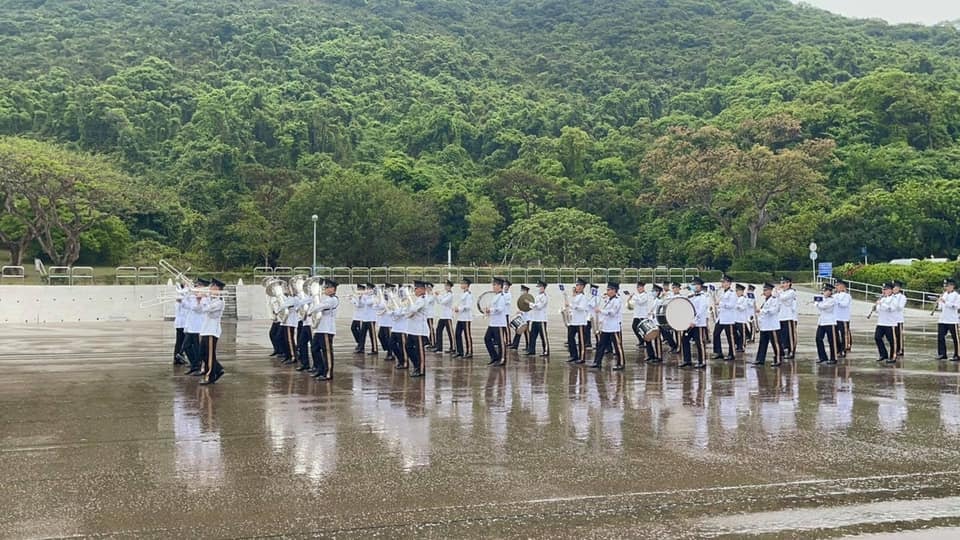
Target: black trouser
<point x="323" y="354"/>
<point x="398" y="343"/>
<point x="368" y="328"/>
<point x="635" y="326"/>
<point x="191" y="348"/>
<point x="771" y="337"/>
<point x="524" y="332"/>
<point x="304" y="338"/>
<point x="178" y="344"/>
<point x="655" y="348"/>
<point x="464" y="338"/>
<point x="415" y="351"/>
<point x="696" y="335"/>
<point x="290" y="343"/>
<point x="383" y="334"/>
<point x="828" y="332"/>
<point x="843" y="336"/>
<point x="444" y="324"/>
<point x="740" y="334"/>
<point x="276" y="337"/>
<point x="942" y="330"/>
<point x="885" y="333"/>
<point x="576" y="342"/>
<point x="670" y="336"/>
<point x="211" y="368"/>
<point x="496" y="341"/>
<point x="355" y="327"/>
<point x="788" y="336"/>
<point x="749" y="330"/>
<point x="432" y="339"/>
<point x="609" y="340"/>
<point x="588" y="335"/>
<point x="727" y="330"/>
<point x="538" y="330"/>
<point x="898" y="330"/>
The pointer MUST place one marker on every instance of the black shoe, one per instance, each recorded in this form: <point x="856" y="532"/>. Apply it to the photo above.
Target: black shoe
<point x="457" y="356"/>
<point x="545" y="353"/>
<point x="891" y="361"/>
<point x="775" y="364"/>
<point x="595" y="366"/>
<point x="831" y="362"/>
<point x="941" y="357"/>
<point x="528" y="353"/>
<point x="701" y="365"/>
<point x="730" y="359"/>
<point x="416" y="373"/>
<point x="790" y="356"/>
<point x="492" y="362"/>
<point x="821" y="360"/>
<point x="755" y="363"/>
<point x="468" y="355"/>
<point x="955" y="359"/>
<point x="717" y="356"/>
<point x="511" y="347"/>
<point x="675" y="351"/>
<point x="302" y="368"/>
<point x="617" y="368"/>
<point x="686" y="365"/>
<point x="580" y="362"/>
<point x="571" y="360"/>
<point x="192" y="371"/>
<point x="882" y="359"/>
<point x="373" y="353"/>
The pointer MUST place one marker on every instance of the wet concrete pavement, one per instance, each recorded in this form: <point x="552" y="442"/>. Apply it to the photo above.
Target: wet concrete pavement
<point x="100" y="435"/>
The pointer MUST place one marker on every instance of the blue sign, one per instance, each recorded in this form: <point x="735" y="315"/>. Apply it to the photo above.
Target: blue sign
<point x="825" y="269"/>
<point x="863" y="251"/>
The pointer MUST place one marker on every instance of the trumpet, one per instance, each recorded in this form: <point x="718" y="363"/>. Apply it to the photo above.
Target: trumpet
<point x="936" y="306"/>
<point x="874" y="308"/>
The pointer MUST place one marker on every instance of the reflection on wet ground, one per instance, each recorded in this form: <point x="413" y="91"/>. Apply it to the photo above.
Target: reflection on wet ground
<point x="100" y="435"/>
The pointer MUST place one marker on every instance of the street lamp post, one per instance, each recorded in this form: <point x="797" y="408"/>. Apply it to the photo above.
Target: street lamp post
<point x="313" y="269"/>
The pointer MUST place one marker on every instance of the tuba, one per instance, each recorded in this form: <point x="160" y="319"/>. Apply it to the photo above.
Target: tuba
<point x="276" y="292"/>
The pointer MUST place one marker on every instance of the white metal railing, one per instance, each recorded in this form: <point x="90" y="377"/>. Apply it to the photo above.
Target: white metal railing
<point x="869" y="292"/>
<point x="12" y="272"/>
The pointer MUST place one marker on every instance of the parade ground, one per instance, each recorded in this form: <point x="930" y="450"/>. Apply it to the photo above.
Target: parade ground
<point x="100" y="435"/>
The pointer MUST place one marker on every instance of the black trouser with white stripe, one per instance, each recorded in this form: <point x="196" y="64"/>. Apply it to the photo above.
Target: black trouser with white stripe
<point x="368" y="328"/>
<point x="898" y="330"/>
<point x="889" y="334"/>
<point x="355" y="327"/>
<point x="609" y="339"/>
<point x="383" y="334"/>
<point x="788" y="336"/>
<point x="771" y="337"/>
<point x="727" y="330"/>
<point x="276" y="337"/>
<point x="828" y="332"/>
<point x="178" y="344"/>
<point x="323" y="354"/>
<point x="212" y="369"/>
<point x="415" y="351"/>
<point x="290" y="342"/>
<point x="843" y="336"/>
<point x="191" y="348"/>
<point x="576" y="342"/>
<point x="303" y="345"/>
<point x="696" y="335"/>
<point x="655" y="348"/>
<point x="538" y="330"/>
<point x="464" y="338"/>
<point x="942" y="330"/>
<point x="496" y="341"/>
<point x="398" y="343"/>
<point x="443" y="325"/>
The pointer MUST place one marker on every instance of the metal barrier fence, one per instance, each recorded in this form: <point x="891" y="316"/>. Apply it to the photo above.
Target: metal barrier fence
<point x="481" y="274"/>
<point x="870" y="292"/>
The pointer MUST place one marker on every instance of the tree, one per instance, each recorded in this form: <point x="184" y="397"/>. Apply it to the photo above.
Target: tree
<point x="564" y="237"/>
<point x="481" y="243"/>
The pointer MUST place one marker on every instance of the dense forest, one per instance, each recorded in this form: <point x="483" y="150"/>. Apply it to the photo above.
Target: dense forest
<point x="722" y="133"/>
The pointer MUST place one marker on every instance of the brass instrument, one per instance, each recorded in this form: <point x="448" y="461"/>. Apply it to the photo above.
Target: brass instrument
<point x="631" y="304"/>
<point x="276" y="292"/>
<point x="525" y="302"/>
<point x="874" y="308"/>
<point x="177" y="274"/>
<point x="936" y="306"/>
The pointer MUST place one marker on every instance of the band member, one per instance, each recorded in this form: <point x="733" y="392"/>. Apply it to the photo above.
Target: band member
<point x="753" y="328"/>
<point x="948" y="304"/>
<point x="655" y="346"/>
<point x="179" y="323"/>
<point x="508" y="301"/>
<point x="610" y="313"/>
<point x="431" y="301"/>
<point x="325" y="330"/>
<point x="901" y="307"/>
<point x="356" y="323"/>
<point x="768" y="316"/>
<point x="524" y="330"/>
<point x="290" y="326"/>
<point x="641" y="302"/>
<point x="368" y="320"/>
<point x="304" y="332"/>
<point x="445" y="318"/>
<point x="886" y="325"/>
<point x="593" y="299"/>
<point x="745" y="308"/>
<point x="827" y="326"/>
<point x="194" y="322"/>
<point x="726" y="318"/>
<point x="418" y="330"/>
<point x="210" y="333"/>
<point x="496" y="336"/>
<point x="697" y="332"/>
<point x="538" y="321"/>
<point x="464" y="312"/>
<point x="787" y="297"/>
<point x="385" y="321"/>
<point x="844" y="300"/>
<point x="398" y="335"/>
<point x="677" y="334"/>
<point x="579" y="307"/>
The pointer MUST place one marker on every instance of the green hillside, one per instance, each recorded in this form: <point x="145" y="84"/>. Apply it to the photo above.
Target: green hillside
<point x="492" y="126"/>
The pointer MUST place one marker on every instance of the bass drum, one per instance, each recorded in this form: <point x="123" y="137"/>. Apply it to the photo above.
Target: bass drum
<point x="649" y="330"/>
<point x="676" y="314"/>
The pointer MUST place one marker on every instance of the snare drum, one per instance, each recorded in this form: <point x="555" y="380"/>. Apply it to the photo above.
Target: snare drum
<point x="649" y="329"/>
<point x="676" y="314"/>
<point x="517" y="322"/>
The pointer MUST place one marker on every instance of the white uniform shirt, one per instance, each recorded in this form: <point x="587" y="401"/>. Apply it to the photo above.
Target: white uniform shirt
<point x="701" y="306"/>
<point x="788" y="304"/>
<point x="357" y="302"/>
<point x="465" y="307"/>
<point x="769" y="314"/>
<point x="828" y="314"/>
<point x="399" y="321"/>
<point x="195" y="315"/>
<point x="579" y="310"/>
<point x="382" y="311"/>
<point x="417" y="317"/>
<point x="368" y="314"/>
<point x="499" y="311"/>
<point x="328" y="320"/>
<point x="180" y="313"/>
<point x="538" y="310"/>
<point x="842" y="311"/>
<point x="745" y="308"/>
<point x="293" y="315"/>
<point x="901" y="306"/>
<point x="445" y="301"/>
<point x="611" y="314"/>
<point x="212" y="313"/>
<point x="642" y="302"/>
<point x="887" y="311"/>
<point x="431" y="302"/>
<point x="728" y="307"/>
<point x="508" y="301"/>
<point x="951" y="302"/>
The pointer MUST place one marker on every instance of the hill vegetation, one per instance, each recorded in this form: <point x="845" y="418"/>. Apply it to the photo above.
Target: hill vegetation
<point x="726" y="133"/>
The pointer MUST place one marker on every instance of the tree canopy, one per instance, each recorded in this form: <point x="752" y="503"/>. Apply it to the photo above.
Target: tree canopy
<point x="695" y="132"/>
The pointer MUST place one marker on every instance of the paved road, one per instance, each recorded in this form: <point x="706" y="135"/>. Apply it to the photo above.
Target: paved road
<point x="99" y="435"/>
